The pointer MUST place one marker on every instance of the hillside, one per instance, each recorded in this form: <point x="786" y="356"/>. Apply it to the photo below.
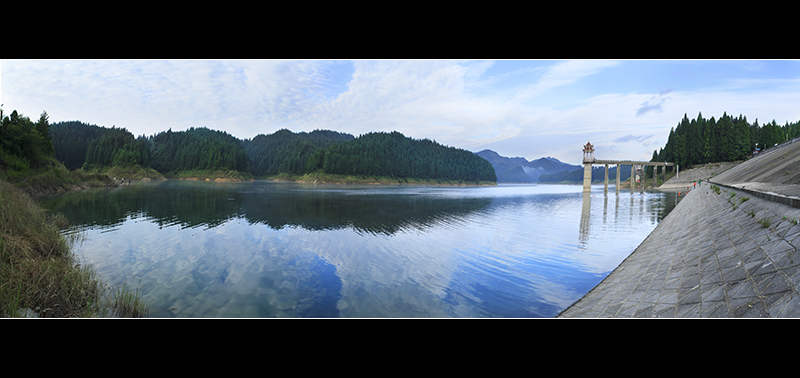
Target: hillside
<point x="210" y="154"/>
<point x="394" y="155"/>
<point x="287" y="152"/>
<point x="197" y="149"/>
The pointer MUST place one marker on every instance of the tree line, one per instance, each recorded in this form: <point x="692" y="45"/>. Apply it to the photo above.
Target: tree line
<point x="395" y="155"/>
<point x="196" y="149"/>
<point x="701" y="140"/>
<point x="80" y="145"/>
<point x="24" y="145"/>
<point x="287" y="152"/>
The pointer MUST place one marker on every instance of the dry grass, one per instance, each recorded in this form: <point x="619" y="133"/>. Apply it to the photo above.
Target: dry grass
<point x="40" y="276"/>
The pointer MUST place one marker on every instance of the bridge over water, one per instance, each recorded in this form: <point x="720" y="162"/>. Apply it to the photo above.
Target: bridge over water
<point x="589" y="160"/>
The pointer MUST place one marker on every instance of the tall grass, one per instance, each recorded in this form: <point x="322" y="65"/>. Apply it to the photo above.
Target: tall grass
<point x="39" y="274"/>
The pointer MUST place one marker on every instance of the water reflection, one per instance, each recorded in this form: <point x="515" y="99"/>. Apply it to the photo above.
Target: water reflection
<point x="263" y="249"/>
<point x="277" y="205"/>
<point x="586" y="212"/>
<point x="643" y="207"/>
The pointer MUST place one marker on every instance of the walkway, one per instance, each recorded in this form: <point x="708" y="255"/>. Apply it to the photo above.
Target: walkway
<point x="707" y="259"/>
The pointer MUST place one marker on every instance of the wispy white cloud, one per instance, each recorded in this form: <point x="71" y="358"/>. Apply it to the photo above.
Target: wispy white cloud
<point x="653" y="104"/>
<point x="518" y="108"/>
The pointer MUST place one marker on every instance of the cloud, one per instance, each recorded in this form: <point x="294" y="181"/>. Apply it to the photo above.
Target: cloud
<point x="633" y="138"/>
<point x="519" y="108"/>
<point x="656" y="106"/>
<point x="564" y="73"/>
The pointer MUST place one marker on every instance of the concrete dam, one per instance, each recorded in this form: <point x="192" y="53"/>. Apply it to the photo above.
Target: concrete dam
<point x="729" y="249"/>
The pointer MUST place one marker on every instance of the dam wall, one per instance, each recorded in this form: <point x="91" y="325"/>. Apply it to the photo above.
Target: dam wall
<point x="716" y="255"/>
<point x="729" y="249"/>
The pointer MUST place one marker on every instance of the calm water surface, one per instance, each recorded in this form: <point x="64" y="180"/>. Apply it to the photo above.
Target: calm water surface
<point x="265" y="249"/>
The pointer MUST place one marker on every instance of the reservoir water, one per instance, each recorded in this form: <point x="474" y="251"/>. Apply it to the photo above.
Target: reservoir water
<point x="267" y="249"/>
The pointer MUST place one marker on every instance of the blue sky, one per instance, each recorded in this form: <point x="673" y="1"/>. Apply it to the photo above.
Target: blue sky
<point x="525" y="108"/>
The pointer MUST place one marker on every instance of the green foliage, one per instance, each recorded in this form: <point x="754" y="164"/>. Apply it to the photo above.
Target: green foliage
<point x="701" y="140"/>
<point x="395" y="155"/>
<point x="71" y="141"/>
<point x="196" y="149"/>
<point x="284" y="152"/>
<point x="287" y="152"/>
<point x="24" y="144"/>
<point x="79" y="145"/>
<point x="116" y="147"/>
<point x="375" y="154"/>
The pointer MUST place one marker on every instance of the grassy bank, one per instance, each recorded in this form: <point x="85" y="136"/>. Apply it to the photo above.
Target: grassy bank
<point x="53" y="178"/>
<point x="324" y="178"/>
<point x="40" y="276"/>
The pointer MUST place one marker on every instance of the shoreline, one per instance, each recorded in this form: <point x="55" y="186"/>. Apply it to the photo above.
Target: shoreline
<point x="317" y="178"/>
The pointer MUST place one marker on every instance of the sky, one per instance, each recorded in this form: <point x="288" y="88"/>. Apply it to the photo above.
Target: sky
<point x="518" y="108"/>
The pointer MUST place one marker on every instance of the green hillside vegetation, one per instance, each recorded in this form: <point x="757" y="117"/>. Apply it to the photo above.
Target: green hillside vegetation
<point x="25" y="147"/>
<point x="208" y="154"/>
<point x="71" y="141"/>
<point x="27" y="158"/>
<point x="91" y="149"/>
<point x="394" y="155"/>
<point x="287" y="152"/>
<point x="701" y="141"/>
<point x="198" y="151"/>
<point x="39" y="275"/>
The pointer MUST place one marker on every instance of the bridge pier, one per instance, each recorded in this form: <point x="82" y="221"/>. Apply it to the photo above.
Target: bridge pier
<point x="587" y="177"/>
<point x="655" y="176"/>
<point x="588" y="160"/>
<point x="633" y="177"/>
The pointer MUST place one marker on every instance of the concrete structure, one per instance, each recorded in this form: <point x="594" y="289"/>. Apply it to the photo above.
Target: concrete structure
<point x="729" y="249"/>
<point x="713" y="256"/>
<point x="589" y="160"/>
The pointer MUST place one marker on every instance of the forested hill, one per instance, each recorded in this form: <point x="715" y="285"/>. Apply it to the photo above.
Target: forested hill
<point x="397" y="156"/>
<point x="205" y="151"/>
<point x="80" y="145"/>
<point x="196" y="149"/>
<point x="700" y="140"/>
<point x="287" y="152"/>
<point x="71" y="141"/>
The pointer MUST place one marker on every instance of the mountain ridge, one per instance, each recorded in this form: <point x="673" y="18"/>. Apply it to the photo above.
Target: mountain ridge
<point x="521" y="170"/>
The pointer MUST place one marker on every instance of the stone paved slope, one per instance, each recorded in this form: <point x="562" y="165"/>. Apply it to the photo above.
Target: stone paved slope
<point x="776" y="166"/>
<point x="707" y="258"/>
<point x="716" y="254"/>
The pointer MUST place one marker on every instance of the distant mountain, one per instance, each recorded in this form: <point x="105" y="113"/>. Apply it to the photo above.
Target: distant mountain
<point x="520" y="170"/>
<point x="575" y="176"/>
